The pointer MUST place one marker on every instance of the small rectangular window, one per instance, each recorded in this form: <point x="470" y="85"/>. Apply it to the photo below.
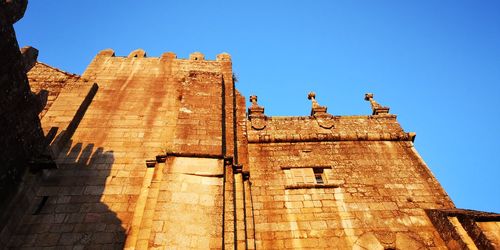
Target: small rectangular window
<point x="318" y="175"/>
<point x="309" y="177"/>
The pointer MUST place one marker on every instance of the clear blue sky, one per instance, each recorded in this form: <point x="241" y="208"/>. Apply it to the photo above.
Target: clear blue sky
<point x="435" y="63"/>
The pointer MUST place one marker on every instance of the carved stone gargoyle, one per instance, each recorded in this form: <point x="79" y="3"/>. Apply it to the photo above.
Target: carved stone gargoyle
<point x="324" y="119"/>
<point x="256" y="114"/>
<point x="376" y="108"/>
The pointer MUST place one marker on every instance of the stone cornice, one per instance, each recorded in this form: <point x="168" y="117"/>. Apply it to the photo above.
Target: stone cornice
<point x="278" y="138"/>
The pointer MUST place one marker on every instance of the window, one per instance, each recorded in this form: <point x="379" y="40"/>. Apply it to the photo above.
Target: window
<point x="318" y="175"/>
<point x="308" y="177"/>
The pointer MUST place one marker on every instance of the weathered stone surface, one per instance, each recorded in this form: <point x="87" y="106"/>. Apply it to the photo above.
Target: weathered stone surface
<point x="148" y="158"/>
<point x="159" y="153"/>
<point x="47" y="82"/>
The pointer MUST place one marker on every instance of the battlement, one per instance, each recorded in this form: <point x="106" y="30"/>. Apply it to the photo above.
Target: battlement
<point x="140" y="53"/>
<point x="107" y="63"/>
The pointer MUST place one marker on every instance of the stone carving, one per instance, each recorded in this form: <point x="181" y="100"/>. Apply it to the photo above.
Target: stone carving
<point x="316" y="108"/>
<point x="256" y="114"/>
<point x="324" y="119"/>
<point x="376" y="107"/>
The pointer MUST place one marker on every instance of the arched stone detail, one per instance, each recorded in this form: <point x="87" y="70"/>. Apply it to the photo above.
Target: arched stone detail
<point x="325" y="122"/>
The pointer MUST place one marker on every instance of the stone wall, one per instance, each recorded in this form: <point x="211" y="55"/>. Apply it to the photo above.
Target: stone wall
<point x="161" y="153"/>
<point x="106" y="125"/>
<point x="47" y="82"/>
<point x="184" y="210"/>
<point x="22" y="140"/>
<point x="332" y="128"/>
<point x="372" y="191"/>
<point x="355" y="180"/>
<point x="466" y="229"/>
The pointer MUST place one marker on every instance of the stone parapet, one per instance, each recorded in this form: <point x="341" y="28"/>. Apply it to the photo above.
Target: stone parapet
<point x="107" y="62"/>
<point x="334" y="128"/>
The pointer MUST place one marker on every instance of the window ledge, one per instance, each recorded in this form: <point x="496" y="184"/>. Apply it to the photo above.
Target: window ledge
<point x="304" y="186"/>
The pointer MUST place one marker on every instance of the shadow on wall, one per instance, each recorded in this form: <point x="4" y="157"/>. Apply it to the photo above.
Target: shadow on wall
<point x="69" y="209"/>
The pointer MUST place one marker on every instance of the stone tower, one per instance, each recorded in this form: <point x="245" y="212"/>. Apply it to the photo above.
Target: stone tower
<point x="162" y="153"/>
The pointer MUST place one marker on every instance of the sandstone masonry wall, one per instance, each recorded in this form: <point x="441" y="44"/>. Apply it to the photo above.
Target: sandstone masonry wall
<point x="123" y="112"/>
<point x="49" y="81"/>
<point x="379" y="190"/>
<point x="161" y="153"/>
<point x="354" y="180"/>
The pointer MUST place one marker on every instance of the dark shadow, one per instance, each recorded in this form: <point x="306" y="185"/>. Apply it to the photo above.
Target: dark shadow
<point x="69" y="210"/>
<point x="21" y="133"/>
<point x="66" y="134"/>
<point x="41" y="99"/>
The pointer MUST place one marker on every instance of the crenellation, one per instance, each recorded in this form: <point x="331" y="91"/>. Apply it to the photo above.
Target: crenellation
<point x="225" y="57"/>
<point x="106" y="53"/>
<point x="138" y="53"/>
<point x="197" y="56"/>
<point x="168" y="56"/>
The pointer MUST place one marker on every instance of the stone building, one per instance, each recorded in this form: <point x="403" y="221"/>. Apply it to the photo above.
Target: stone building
<point x="162" y="153"/>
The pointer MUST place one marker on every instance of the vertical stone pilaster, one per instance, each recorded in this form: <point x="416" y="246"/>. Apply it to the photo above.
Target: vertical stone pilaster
<point x="138" y="232"/>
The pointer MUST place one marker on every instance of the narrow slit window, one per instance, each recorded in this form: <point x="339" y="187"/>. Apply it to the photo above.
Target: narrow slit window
<point x="318" y="176"/>
<point x="41" y="204"/>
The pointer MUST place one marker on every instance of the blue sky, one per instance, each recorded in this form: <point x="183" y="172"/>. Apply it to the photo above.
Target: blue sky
<point x="435" y="63"/>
